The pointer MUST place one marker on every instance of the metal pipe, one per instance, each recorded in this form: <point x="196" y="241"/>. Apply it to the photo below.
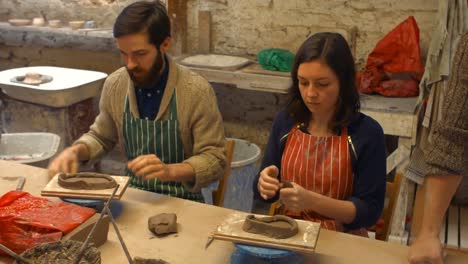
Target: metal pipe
<point x="85" y="244"/>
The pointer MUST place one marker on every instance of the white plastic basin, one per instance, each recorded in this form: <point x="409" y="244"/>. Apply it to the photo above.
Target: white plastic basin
<point x="68" y="86"/>
<point x="29" y="148"/>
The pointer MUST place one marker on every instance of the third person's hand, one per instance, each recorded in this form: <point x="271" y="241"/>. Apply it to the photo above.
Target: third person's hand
<point x="426" y="249"/>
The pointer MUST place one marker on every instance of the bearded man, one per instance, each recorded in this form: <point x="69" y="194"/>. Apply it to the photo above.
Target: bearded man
<point x="165" y="116"/>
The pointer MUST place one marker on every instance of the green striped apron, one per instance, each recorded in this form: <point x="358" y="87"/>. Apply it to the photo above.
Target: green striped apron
<point x="143" y="137"/>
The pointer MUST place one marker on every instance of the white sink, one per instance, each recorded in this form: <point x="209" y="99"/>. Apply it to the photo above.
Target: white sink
<point x="29" y="148"/>
<point x="68" y="86"/>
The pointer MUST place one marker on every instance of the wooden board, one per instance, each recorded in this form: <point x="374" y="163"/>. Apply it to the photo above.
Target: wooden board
<point x="257" y="68"/>
<point x="304" y="241"/>
<point x="54" y="189"/>
<point x="81" y="232"/>
<point x="214" y="61"/>
<point x="177" y="11"/>
<point x="9" y="183"/>
<point x="403" y="105"/>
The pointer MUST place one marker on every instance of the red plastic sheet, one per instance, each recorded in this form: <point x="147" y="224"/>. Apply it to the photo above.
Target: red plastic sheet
<point x="394" y="67"/>
<point x="27" y="221"/>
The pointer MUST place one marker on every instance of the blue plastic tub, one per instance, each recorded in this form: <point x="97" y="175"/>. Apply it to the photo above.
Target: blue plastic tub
<point x="247" y="254"/>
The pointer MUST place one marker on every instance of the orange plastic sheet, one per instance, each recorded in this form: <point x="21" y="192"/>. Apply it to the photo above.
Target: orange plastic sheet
<point x="394" y="67"/>
<point x="27" y="221"/>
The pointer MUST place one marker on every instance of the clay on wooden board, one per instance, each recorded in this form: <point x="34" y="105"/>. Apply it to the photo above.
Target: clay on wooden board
<point x="163" y="224"/>
<point x="278" y="226"/>
<point x="62" y="252"/>
<point x="86" y="181"/>
<point x="138" y="260"/>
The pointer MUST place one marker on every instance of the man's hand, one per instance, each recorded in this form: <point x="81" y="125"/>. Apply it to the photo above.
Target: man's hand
<point x="149" y="167"/>
<point x="294" y="198"/>
<point x="268" y="183"/>
<point x="66" y="161"/>
<point x="426" y="249"/>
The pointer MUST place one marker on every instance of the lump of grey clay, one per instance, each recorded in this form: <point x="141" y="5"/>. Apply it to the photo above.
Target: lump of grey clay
<point x="286" y="184"/>
<point x="163" y="224"/>
<point x="138" y="260"/>
<point x="278" y="226"/>
<point x="61" y="252"/>
<point x="86" y="181"/>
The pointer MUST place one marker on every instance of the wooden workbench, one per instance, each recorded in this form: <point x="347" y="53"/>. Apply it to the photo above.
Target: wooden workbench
<point x="196" y="222"/>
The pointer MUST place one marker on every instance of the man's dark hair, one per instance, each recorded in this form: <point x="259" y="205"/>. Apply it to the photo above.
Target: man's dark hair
<point x="144" y="16"/>
<point x="333" y="50"/>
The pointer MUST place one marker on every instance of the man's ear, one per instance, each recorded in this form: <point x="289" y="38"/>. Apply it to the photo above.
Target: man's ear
<point x="166" y="44"/>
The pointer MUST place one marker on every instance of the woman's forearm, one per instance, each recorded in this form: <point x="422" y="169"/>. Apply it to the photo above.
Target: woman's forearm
<point x="340" y="210"/>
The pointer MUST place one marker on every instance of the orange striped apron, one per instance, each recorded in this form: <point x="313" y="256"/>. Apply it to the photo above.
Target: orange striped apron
<point x="318" y="164"/>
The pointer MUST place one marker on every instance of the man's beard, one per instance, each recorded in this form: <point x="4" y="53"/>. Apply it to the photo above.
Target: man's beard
<point x="153" y="75"/>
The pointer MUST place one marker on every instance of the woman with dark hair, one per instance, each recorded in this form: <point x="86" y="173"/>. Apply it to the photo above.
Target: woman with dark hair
<point x="332" y="155"/>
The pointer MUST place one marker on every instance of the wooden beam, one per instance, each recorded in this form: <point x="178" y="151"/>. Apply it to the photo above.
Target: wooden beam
<point x="352" y="40"/>
<point x="204" y="32"/>
<point x="177" y="10"/>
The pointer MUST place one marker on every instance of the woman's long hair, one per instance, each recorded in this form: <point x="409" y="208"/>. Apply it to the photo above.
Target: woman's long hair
<point x="333" y="50"/>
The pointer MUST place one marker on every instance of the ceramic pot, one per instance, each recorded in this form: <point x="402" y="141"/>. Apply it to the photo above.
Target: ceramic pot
<point x="75" y="25"/>
<point x="55" y="23"/>
<point x="38" y="22"/>
<point x="19" y="22"/>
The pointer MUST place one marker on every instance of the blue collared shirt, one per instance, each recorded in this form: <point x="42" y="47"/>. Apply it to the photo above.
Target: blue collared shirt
<point x="149" y="99"/>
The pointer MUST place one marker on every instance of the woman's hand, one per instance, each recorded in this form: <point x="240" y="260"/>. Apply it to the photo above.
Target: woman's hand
<point x="294" y="198"/>
<point x="268" y="183"/>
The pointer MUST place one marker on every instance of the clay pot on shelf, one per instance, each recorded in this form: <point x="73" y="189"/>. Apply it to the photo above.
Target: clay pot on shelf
<point x="55" y="23"/>
<point x="19" y="22"/>
<point x="75" y="25"/>
<point x="38" y="22"/>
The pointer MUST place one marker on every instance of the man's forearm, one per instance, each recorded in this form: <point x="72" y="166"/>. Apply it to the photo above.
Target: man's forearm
<point x="438" y="194"/>
<point x="182" y="172"/>
<point x="81" y="151"/>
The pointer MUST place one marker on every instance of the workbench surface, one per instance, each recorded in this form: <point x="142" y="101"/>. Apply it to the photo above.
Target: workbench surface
<point x="196" y="222"/>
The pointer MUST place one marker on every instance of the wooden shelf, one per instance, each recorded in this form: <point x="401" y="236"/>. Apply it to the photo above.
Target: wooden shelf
<point x="396" y="115"/>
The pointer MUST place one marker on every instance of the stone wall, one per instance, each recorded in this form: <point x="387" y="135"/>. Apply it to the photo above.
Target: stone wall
<point x="239" y="27"/>
<point x="244" y="27"/>
<point x="14" y="57"/>
<point x="103" y="12"/>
